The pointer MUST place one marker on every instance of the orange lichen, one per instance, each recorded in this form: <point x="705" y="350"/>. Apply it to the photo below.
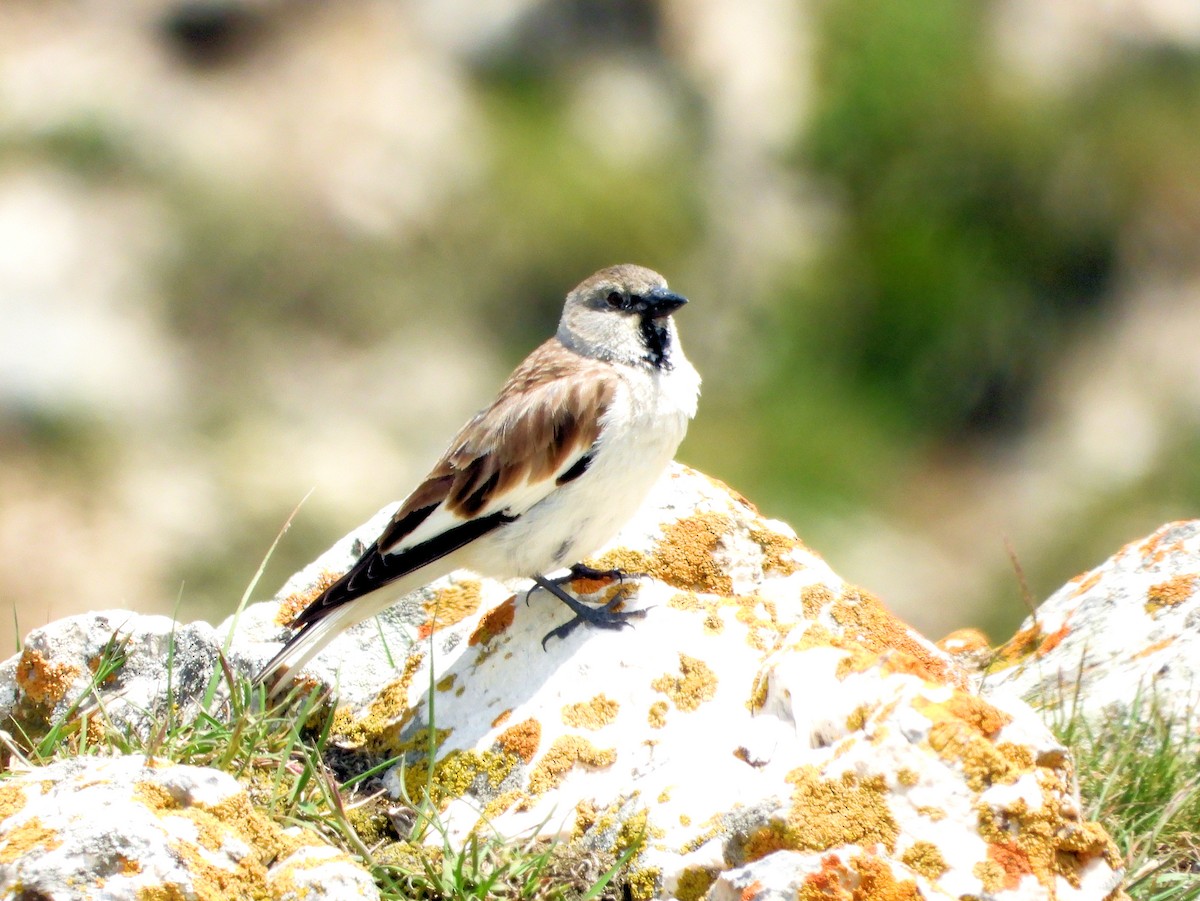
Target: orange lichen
<point x="1047" y="842"/>
<point x="864" y="619"/>
<point x="451" y="605"/>
<point x="981" y="762"/>
<point x="565" y="754"/>
<point x="966" y="642"/>
<point x="1086" y="582"/>
<point x="501" y="717"/>
<point x="495" y="622"/>
<point x="594" y="714"/>
<point x="877" y="882"/>
<point x="1154" y="648"/>
<point x="1171" y="593"/>
<point x="1021" y="645"/>
<point x="984" y="718"/>
<point x="291" y="606"/>
<point x="696" y="683"/>
<point x="521" y="739"/>
<point x="29" y="837"/>
<point x="41" y="680"/>
<point x="866" y="878"/>
<point x="778" y="551"/>
<point x="1155" y="549"/>
<point x="684" y="557"/>
<point x="815" y="598"/>
<point x="1053" y="640"/>
<point x="1012" y="861"/>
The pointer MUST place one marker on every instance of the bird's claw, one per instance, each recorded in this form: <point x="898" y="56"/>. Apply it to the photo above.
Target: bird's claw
<point x="605" y="617"/>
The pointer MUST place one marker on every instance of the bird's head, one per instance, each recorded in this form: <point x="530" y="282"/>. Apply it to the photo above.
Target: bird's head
<point x="622" y="314"/>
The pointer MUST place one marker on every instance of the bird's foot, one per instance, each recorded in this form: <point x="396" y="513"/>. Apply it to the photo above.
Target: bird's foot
<point x="606" y="617"/>
<point x="583" y="571"/>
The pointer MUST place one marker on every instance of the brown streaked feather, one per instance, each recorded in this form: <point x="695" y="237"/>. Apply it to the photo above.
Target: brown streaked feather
<point x="544" y="415"/>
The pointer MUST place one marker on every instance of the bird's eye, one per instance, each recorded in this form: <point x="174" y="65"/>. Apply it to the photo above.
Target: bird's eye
<point x="615" y="299"/>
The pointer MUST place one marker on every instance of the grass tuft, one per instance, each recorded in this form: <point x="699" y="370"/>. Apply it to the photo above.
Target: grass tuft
<point x="1139" y="776"/>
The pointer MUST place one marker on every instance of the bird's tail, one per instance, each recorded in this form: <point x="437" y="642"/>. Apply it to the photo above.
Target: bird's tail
<point x="315" y="632"/>
<point x="298" y="650"/>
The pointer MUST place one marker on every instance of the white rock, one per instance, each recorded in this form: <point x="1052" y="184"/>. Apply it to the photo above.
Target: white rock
<point x="121" y="828"/>
<point x="1126" y="630"/>
<point x="761" y="706"/>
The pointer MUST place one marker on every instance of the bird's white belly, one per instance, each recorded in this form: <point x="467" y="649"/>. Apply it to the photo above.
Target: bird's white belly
<point x="579" y="517"/>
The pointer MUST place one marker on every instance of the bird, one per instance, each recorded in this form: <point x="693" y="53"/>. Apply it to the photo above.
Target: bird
<point x="540" y="478"/>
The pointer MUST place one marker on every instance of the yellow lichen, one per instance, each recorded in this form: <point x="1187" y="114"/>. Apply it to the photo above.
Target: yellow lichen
<point x="848" y="810"/>
<point x="594" y="714"/>
<point x="388" y="713"/>
<point x="814" y="599"/>
<point x="585" y="818"/>
<point x="455" y="773"/>
<point x="643" y="883"/>
<point x="564" y="754"/>
<point x="657" y="717"/>
<point x="981" y="763"/>
<point x="696" y="683"/>
<point x="694" y="883"/>
<point x="925" y="858"/>
<point x="503" y="803"/>
<point x="858" y="718"/>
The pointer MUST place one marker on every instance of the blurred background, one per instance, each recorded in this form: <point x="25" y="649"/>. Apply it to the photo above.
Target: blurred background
<point x="942" y="257"/>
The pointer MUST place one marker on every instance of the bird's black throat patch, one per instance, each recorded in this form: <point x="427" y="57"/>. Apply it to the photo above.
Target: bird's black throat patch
<point x="657" y="339"/>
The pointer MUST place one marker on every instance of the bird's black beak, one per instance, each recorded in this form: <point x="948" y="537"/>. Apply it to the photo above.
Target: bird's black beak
<point x="661" y="302"/>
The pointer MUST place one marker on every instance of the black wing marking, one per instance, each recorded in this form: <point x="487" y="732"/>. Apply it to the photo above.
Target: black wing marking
<point x="375" y="570"/>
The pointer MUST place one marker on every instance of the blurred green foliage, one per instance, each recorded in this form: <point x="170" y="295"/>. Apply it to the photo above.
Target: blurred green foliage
<point x="973" y="226"/>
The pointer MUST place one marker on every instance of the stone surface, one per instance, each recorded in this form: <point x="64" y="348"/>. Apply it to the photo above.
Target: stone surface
<point x="764" y="728"/>
<point x="134" y="827"/>
<point x="765" y="725"/>
<point x="161" y="663"/>
<point x="1125" y="631"/>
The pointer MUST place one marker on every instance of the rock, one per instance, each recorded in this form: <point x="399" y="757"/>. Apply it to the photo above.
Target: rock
<point x="155" y="663"/>
<point x="763" y="729"/>
<point x="765" y="726"/>
<point x="1121" y="633"/>
<point x="136" y="827"/>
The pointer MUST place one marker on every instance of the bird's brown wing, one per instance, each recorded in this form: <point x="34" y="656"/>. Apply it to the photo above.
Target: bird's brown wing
<point x="538" y="434"/>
